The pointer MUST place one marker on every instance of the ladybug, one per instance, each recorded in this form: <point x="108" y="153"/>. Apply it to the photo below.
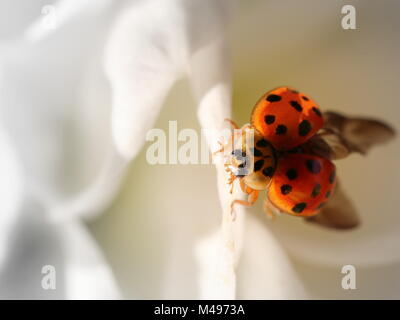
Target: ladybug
<point x="290" y="156"/>
<point x="298" y="182"/>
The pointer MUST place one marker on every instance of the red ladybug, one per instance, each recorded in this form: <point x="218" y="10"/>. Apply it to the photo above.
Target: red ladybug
<point x="292" y="153"/>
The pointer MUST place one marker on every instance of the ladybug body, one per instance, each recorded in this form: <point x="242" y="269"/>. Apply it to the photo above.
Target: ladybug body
<point x="302" y="184"/>
<point x="298" y="183"/>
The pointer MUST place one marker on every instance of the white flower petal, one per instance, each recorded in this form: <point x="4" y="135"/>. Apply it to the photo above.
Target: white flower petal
<point x="210" y="79"/>
<point x="266" y="271"/>
<point x="16" y="16"/>
<point x="213" y="93"/>
<point x="80" y="270"/>
<point x="62" y="11"/>
<point x="47" y="117"/>
<point x="87" y="274"/>
<point x="144" y="59"/>
<point x="37" y="115"/>
<point x="329" y="247"/>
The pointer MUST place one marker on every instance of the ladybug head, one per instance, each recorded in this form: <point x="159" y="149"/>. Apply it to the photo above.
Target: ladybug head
<point x="254" y="160"/>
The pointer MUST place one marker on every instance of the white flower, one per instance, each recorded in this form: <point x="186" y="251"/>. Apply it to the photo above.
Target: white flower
<point x="76" y="103"/>
<point x="40" y="93"/>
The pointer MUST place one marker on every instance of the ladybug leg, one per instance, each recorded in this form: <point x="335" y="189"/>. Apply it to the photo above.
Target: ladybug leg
<point x="252" y="198"/>
<point x="269" y="209"/>
<point x="227" y="146"/>
<point x="235" y="126"/>
<point x="243" y="186"/>
<point x="221" y="149"/>
<point x="232" y="123"/>
<point x="247" y="126"/>
<point x="231" y="180"/>
<point x="236" y="134"/>
<point x="232" y="138"/>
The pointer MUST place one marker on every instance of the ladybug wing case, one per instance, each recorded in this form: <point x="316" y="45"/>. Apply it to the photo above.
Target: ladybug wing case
<point x="302" y="184"/>
<point x="286" y="118"/>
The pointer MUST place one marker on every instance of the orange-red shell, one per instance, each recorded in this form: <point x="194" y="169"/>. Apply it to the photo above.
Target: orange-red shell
<point x="286" y="118"/>
<point x="302" y="184"/>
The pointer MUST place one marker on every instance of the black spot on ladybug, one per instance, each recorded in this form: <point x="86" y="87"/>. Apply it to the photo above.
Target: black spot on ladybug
<point x="273" y="98"/>
<point x="258" y="165"/>
<point x="313" y="166"/>
<point x="317" y="111"/>
<point x="328" y="194"/>
<point x="316" y="191"/>
<point x="256" y="152"/>
<point x="296" y="105"/>
<point x="268" y="172"/>
<point x="321" y="205"/>
<point x="298" y="208"/>
<point x="291" y="174"/>
<point x="285" y="189"/>
<point x="305" y="98"/>
<point x="269" y="119"/>
<point x="304" y="128"/>
<point x="262" y="143"/>
<point x="281" y="129"/>
<point x="332" y="176"/>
